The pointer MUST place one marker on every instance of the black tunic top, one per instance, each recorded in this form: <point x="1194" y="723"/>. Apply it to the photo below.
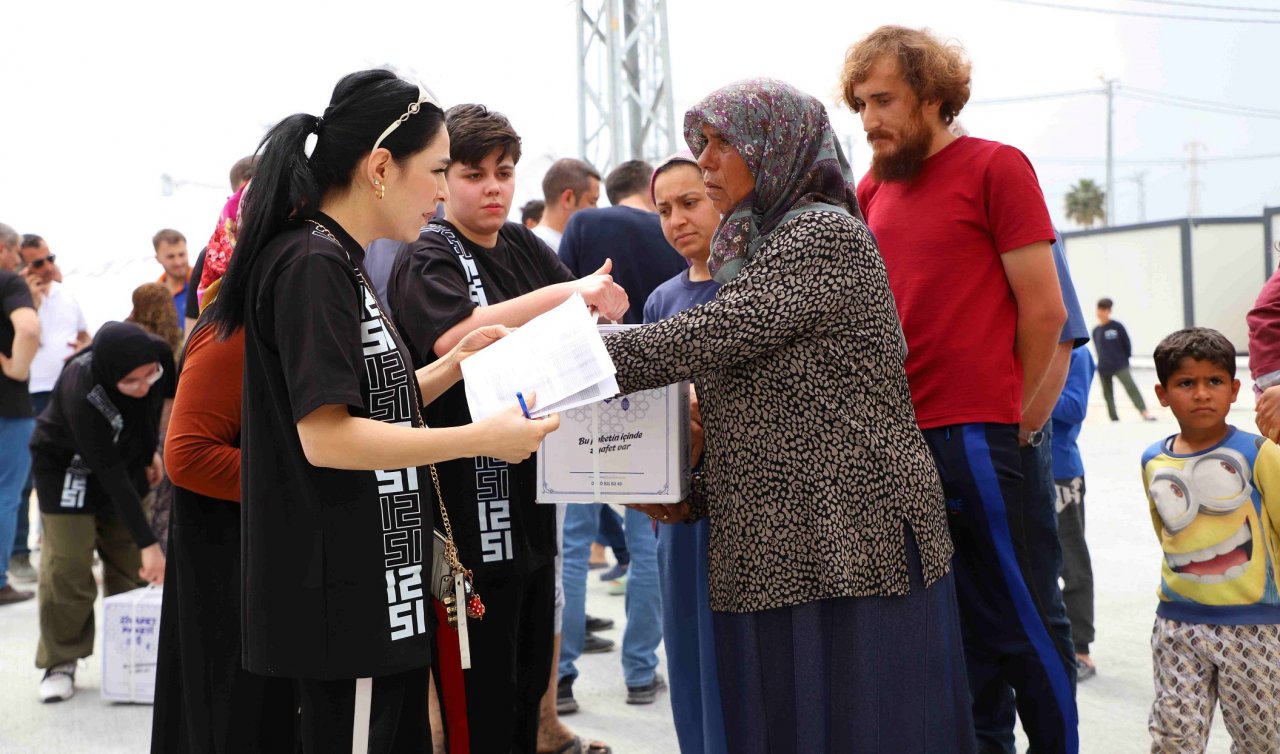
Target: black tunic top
<point x="332" y="559"/>
<point x="85" y="459"/>
<point x="498" y="525"/>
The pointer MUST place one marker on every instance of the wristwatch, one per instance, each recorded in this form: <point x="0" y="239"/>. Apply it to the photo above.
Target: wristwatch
<point x="1032" y="437"/>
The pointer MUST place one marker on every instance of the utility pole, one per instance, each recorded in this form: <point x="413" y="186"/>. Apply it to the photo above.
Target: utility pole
<point x="626" y="109"/>
<point x="1193" y="183"/>
<point x="1110" y="91"/>
<point x="1140" y="179"/>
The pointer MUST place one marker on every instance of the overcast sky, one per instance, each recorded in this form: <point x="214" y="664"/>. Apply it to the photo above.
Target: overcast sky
<point x="104" y="98"/>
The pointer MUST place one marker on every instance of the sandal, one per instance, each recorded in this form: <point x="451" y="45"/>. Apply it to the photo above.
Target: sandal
<point x="576" y="745"/>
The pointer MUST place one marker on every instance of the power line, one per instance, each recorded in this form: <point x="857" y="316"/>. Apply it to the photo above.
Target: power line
<point x="1034" y="97"/>
<point x="1247" y="9"/>
<point x="1156" y="161"/>
<point x="1141" y="14"/>
<point x="1195" y="101"/>
<point x="1220" y="110"/>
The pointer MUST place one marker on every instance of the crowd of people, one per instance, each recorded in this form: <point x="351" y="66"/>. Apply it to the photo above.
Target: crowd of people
<point x="884" y="548"/>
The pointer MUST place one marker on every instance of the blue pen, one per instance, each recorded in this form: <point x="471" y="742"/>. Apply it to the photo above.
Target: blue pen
<point x="523" y="406"/>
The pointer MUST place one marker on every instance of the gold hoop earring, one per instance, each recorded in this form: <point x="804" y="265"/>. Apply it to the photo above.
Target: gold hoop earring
<point x="379" y="190"/>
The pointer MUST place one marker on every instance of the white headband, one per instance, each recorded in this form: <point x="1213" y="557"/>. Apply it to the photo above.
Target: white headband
<point x="424" y="95"/>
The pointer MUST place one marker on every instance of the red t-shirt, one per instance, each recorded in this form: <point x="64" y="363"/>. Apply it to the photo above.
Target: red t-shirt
<point x="941" y="236"/>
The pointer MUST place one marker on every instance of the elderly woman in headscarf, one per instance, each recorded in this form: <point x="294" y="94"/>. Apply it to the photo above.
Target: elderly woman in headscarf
<point x="834" y="608"/>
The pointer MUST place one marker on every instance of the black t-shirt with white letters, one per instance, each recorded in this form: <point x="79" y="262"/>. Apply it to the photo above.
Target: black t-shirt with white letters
<point x="333" y="560"/>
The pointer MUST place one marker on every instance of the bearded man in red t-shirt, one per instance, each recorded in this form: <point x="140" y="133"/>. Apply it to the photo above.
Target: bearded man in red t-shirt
<point x="965" y="235"/>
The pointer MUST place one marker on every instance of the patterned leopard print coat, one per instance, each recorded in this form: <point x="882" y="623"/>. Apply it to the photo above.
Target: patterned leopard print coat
<point x="813" y="462"/>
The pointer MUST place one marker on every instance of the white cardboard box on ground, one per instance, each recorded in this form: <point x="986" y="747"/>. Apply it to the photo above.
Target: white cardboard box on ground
<point x="631" y="449"/>
<point x="130" y="644"/>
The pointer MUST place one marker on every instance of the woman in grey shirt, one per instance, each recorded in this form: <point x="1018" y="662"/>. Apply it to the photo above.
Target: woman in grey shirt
<point x="834" y="605"/>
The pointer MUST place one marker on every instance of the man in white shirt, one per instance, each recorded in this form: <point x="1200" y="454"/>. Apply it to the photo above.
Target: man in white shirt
<point x="569" y="185"/>
<point x="63" y="333"/>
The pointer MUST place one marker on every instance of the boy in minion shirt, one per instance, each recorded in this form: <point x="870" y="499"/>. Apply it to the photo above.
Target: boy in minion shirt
<point x="1214" y="493"/>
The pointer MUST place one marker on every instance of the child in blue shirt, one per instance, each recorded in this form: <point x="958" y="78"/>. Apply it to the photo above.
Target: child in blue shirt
<point x="1068" y="478"/>
<point x="688" y="221"/>
<point x="1214" y="494"/>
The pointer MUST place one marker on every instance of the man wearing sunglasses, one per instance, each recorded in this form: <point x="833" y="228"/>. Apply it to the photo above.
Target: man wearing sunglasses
<point x="64" y="333"/>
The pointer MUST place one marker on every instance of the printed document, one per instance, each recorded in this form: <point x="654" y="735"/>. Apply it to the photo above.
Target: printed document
<point x="558" y="356"/>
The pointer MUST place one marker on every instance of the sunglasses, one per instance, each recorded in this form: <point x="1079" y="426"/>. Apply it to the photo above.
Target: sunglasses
<point x="36" y="264"/>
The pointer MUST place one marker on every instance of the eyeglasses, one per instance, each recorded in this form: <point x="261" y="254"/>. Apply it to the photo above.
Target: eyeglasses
<point x="38" y="263"/>
<point x="424" y="97"/>
<point x="142" y="383"/>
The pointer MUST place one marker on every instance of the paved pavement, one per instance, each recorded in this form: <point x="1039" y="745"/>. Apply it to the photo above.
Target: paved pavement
<point x="1113" y="706"/>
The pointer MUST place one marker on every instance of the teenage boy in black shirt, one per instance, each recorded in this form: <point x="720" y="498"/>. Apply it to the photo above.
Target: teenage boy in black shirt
<point x="469" y="270"/>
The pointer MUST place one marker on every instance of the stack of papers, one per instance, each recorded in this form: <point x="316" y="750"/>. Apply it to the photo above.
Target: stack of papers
<point x="558" y="356"/>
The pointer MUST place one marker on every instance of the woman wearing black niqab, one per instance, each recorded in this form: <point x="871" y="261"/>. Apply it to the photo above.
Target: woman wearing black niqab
<point x="93" y="459"/>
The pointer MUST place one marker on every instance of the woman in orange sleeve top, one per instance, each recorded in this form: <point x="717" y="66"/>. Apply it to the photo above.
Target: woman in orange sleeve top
<point x="205" y="701"/>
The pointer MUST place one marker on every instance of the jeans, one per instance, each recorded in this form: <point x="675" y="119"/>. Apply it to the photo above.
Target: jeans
<point x="15" y="434"/>
<point x="611" y="535"/>
<point x="22" y="534"/>
<point x="643" y="631"/>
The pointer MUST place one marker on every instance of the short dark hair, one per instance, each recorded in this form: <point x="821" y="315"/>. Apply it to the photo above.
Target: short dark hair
<point x="567" y="173"/>
<point x="532" y="210"/>
<point x="242" y="172"/>
<point x="30" y="241"/>
<point x="628" y="179"/>
<point x="475" y="131"/>
<point x="167" y="235"/>
<point x="1105" y="303"/>
<point x="1199" y="343"/>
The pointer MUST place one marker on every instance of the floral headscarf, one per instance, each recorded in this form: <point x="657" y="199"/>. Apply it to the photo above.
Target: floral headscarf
<point x="785" y="137"/>
<point x="222" y="244"/>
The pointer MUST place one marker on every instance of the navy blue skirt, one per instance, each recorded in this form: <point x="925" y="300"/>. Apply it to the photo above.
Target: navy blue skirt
<point x="848" y="675"/>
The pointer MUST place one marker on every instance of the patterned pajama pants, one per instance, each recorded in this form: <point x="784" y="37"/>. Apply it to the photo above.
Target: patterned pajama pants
<point x="1197" y="664"/>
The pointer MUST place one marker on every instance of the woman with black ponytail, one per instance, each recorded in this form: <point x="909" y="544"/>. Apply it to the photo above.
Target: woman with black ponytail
<point x="336" y="486"/>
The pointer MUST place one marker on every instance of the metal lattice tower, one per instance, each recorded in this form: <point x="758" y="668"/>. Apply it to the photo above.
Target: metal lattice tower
<point x="625" y="106"/>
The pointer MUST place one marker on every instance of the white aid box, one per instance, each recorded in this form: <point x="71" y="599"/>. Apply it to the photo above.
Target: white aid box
<point x="628" y="449"/>
<point x="130" y="645"/>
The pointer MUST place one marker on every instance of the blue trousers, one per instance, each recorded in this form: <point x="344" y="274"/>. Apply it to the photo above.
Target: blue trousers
<point x="1015" y="629"/>
<point x="855" y="675"/>
<point x="613" y="535"/>
<point x="14" y="436"/>
<point x="689" y="636"/>
<point x="643" y="631"/>
<point x="23" y="533"/>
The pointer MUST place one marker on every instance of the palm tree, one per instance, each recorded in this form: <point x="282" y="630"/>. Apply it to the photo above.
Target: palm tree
<point x="1086" y="203"/>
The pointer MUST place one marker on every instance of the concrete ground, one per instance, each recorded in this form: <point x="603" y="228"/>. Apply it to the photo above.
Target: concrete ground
<point x="1113" y="706"/>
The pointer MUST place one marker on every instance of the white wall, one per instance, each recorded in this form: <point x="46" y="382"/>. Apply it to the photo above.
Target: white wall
<point x="1141" y="270"/>
<point x="1227" y="269"/>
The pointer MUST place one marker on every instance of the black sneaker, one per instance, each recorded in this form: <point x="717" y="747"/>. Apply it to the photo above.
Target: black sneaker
<point x="593" y="644"/>
<point x="565" y="703"/>
<point x="647" y="693"/>
<point x="598" y="624"/>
